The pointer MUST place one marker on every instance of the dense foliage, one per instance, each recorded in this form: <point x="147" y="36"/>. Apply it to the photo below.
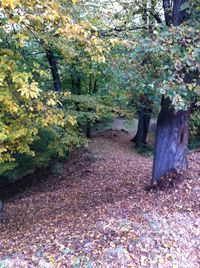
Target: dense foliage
<point x="64" y="64"/>
<point x="35" y="126"/>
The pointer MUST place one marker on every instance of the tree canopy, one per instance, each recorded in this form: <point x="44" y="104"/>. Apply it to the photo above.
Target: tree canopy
<point x="65" y="63"/>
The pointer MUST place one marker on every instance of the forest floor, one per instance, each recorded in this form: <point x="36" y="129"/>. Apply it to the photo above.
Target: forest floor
<point x="99" y="213"/>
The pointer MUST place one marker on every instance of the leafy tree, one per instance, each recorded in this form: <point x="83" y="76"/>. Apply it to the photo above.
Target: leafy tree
<point x="177" y="47"/>
<point x="30" y="29"/>
<point x="173" y="49"/>
<point x="100" y="54"/>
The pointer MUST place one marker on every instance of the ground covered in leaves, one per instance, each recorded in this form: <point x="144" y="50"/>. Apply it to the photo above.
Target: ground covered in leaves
<point x="98" y="213"/>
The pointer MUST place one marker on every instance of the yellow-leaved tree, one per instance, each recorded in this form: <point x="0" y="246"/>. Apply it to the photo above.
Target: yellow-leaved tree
<point x="26" y="108"/>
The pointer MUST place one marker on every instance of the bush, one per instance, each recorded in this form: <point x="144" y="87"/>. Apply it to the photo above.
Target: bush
<point x="194" y="140"/>
<point x="51" y="147"/>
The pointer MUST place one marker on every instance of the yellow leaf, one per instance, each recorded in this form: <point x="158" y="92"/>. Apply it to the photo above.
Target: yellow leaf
<point x="67" y="94"/>
<point x="52" y="260"/>
<point x="51" y="102"/>
<point x="9" y="3"/>
<point x="2" y="137"/>
<point x="71" y="120"/>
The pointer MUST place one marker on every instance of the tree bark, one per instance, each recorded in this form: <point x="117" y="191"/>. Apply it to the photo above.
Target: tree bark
<point x="76" y="84"/>
<point x="171" y="141"/>
<point x="144" y="116"/>
<point x="54" y="69"/>
<point x="88" y="129"/>
<point x="167" y="5"/>
<point x="73" y="84"/>
<point x="172" y="127"/>
<point x="95" y="89"/>
<point x="179" y="16"/>
<point x="144" y="13"/>
<point x="90" y="84"/>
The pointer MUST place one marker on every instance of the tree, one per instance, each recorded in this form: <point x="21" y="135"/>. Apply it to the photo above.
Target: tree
<point x="145" y="104"/>
<point x="146" y="60"/>
<point x="172" y="125"/>
<point x="144" y="117"/>
<point x="54" y="69"/>
<point x="28" y="107"/>
<point x="173" y="50"/>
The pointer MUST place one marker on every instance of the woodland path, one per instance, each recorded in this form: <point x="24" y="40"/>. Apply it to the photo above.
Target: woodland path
<point x="98" y="213"/>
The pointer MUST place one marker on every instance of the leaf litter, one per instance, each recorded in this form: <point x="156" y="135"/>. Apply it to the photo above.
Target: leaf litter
<point x="98" y="213"/>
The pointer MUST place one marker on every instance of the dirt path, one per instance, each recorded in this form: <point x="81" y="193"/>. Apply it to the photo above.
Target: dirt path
<point x="97" y="213"/>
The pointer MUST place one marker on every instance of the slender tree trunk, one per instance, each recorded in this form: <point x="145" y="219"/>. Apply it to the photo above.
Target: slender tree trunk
<point x="54" y="69"/>
<point x="171" y="141"/>
<point x="95" y="89"/>
<point x="90" y="84"/>
<point x="167" y="5"/>
<point x="76" y="84"/>
<point x="172" y="127"/>
<point x="144" y="13"/>
<point x="73" y="84"/>
<point x="88" y="129"/>
<point x="144" y="116"/>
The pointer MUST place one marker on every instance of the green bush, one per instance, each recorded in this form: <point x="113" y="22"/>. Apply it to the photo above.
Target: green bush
<point x="194" y="140"/>
<point x="51" y="147"/>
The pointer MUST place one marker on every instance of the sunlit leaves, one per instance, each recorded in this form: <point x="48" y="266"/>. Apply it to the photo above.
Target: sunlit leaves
<point x="71" y="120"/>
<point x="23" y="109"/>
<point x="9" y="3"/>
<point x="30" y="91"/>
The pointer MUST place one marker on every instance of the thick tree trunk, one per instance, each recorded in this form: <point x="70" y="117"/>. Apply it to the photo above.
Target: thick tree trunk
<point x="179" y="15"/>
<point x="144" y="117"/>
<point x="172" y="127"/>
<point x="171" y="141"/>
<point x="54" y="69"/>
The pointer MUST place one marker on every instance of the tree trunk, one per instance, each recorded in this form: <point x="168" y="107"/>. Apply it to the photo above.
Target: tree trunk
<point x="143" y="126"/>
<point x="179" y="15"/>
<point x="95" y="89"/>
<point x="172" y="127"/>
<point x="54" y="69"/>
<point x="144" y="13"/>
<point x="76" y="84"/>
<point x="90" y="85"/>
<point x="88" y="129"/>
<point x="167" y="9"/>
<point x="171" y="141"/>
<point x="73" y="84"/>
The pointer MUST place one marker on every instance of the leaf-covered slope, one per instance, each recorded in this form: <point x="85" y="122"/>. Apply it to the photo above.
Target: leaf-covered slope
<point x="99" y="212"/>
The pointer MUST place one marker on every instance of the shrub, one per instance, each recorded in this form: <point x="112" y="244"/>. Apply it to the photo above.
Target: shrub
<point x="194" y="140"/>
<point x="50" y="148"/>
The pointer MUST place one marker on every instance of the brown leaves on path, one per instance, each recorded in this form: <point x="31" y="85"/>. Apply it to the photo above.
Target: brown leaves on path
<point x="97" y="213"/>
